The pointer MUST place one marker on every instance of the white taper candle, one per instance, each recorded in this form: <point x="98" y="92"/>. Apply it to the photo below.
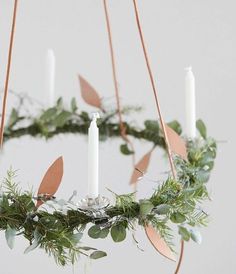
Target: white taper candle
<point x="190" y="104"/>
<point x="93" y="157"/>
<point x="50" y="76"/>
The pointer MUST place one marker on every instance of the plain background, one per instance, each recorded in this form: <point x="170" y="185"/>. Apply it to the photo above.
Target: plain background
<point x="178" y="33"/>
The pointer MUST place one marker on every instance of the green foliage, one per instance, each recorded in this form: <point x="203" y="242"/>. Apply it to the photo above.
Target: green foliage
<point x="118" y="232"/>
<point x="97" y="254"/>
<point x="124" y="149"/>
<point x="175" y="202"/>
<point x="146" y="207"/>
<point x="201" y="128"/>
<point x="60" y="119"/>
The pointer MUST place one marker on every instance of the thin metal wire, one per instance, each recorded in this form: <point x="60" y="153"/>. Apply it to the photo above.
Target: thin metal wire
<point x="4" y="103"/>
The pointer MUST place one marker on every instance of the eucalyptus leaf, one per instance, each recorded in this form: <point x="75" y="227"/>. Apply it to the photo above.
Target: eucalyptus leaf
<point x="49" y="114"/>
<point x="59" y="103"/>
<point x="104" y="232"/>
<point x="184" y="233"/>
<point x="118" y="233"/>
<point x="77" y="237"/>
<point x="152" y="125"/>
<point x="196" y="236"/>
<point x="10" y="234"/>
<point x="175" y="125"/>
<point x="94" y="232"/>
<point x="73" y="105"/>
<point x="98" y="254"/>
<point x="177" y="217"/>
<point x="62" y="118"/>
<point x="145" y="207"/>
<point x="13" y="117"/>
<point x="162" y="209"/>
<point x="201" y="128"/>
<point x="36" y="242"/>
<point x="125" y="149"/>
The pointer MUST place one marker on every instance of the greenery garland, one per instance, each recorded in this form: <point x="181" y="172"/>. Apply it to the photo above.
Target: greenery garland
<point x="59" y="225"/>
<point x="61" y="120"/>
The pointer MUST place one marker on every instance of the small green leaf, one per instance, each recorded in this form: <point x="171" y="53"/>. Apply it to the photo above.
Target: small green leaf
<point x="118" y="233"/>
<point x="13" y="117"/>
<point x="87" y="248"/>
<point x="36" y="242"/>
<point x="201" y="128"/>
<point x="175" y="125"/>
<point x="152" y="125"/>
<point x="10" y="234"/>
<point x="145" y="207"/>
<point x="196" y="236"/>
<point x="184" y="233"/>
<point x="98" y="254"/>
<point x="77" y="237"/>
<point x="94" y="232"/>
<point x="125" y="149"/>
<point x="59" y="103"/>
<point x="73" y="105"/>
<point x="162" y="209"/>
<point x="104" y="232"/>
<point x="177" y="217"/>
<point x="62" y="118"/>
<point x="49" y="114"/>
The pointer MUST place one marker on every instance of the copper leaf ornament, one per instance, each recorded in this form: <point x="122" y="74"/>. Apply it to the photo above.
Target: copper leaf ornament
<point x="51" y="180"/>
<point x="141" y="166"/>
<point x="177" y="144"/>
<point x="89" y="94"/>
<point x="158" y="243"/>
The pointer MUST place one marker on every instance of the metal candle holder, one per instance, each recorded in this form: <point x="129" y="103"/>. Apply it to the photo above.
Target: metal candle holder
<point x="94" y="207"/>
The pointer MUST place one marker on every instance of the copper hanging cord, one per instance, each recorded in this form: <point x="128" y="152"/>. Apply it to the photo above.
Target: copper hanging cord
<point x="4" y="102"/>
<point x="159" y="114"/>
<point x="114" y="74"/>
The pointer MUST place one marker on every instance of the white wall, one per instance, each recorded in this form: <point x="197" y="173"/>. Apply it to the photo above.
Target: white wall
<point x="178" y="33"/>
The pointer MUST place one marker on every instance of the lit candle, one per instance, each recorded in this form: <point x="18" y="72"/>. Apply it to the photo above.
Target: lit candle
<point x="50" y="76"/>
<point x="93" y="140"/>
<point x="190" y="104"/>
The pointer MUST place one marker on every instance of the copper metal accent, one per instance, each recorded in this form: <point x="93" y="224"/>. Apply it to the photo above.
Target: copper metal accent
<point x="158" y="109"/>
<point x="114" y="74"/>
<point x="89" y="94"/>
<point x="158" y="243"/>
<point x="154" y="89"/>
<point x="141" y="166"/>
<point x="180" y="257"/>
<point x="4" y="102"/>
<point x="177" y="143"/>
<point x="51" y="181"/>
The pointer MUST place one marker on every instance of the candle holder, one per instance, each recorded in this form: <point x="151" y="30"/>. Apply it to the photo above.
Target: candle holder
<point x="95" y="208"/>
<point x="93" y="204"/>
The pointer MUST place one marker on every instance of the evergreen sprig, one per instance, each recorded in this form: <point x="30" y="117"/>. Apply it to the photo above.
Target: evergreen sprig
<point x="63" y="120"/>
<point x="59" y="225"/>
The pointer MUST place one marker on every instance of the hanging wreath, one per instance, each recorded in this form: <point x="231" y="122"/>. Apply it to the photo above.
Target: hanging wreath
<point x="58" y="225"/>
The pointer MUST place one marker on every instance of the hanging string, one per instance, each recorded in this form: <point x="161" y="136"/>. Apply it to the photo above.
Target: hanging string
<point x="173" y="170"/>
<point x="4" y="103"/>
<point x="114" y="74"/>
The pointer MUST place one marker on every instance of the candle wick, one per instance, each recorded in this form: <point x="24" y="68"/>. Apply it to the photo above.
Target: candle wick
<point x="188" y="68"/>
<point x="95" y="116"/>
